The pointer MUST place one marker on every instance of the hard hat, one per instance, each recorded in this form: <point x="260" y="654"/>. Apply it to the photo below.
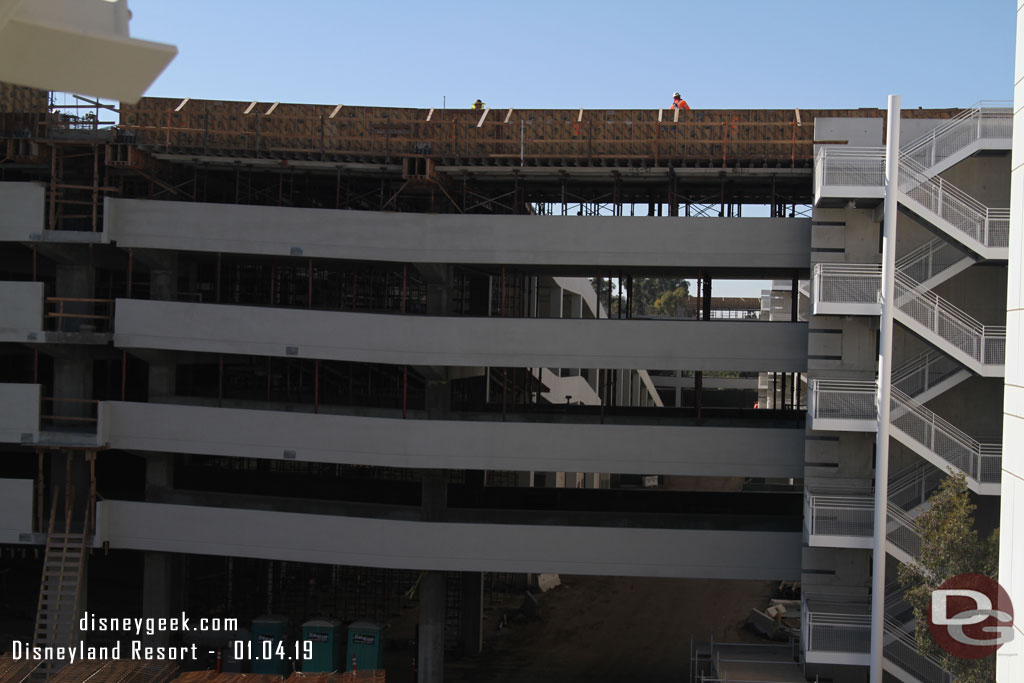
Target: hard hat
<point x="675" y="94"/>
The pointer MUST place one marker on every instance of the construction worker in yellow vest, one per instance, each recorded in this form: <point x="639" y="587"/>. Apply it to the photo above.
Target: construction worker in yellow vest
<point x="478" y="105"/>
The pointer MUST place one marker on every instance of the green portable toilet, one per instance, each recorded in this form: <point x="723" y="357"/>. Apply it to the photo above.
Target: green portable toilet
<point x="364" y="644"/>
<point x="269" y="641"/>
<point x="326" y="639"/>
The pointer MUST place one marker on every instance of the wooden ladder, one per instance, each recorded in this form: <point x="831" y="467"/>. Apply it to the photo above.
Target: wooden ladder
<point x="60" y="590"/>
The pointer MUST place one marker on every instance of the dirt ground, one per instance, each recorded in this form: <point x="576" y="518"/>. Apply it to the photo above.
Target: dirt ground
<point x="612" y="630"/>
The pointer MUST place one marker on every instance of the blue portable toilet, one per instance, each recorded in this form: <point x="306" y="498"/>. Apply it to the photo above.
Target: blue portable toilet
<point x="326" y="638"/>
<point x="365" y="645"/>
<point x="269" y="638"/>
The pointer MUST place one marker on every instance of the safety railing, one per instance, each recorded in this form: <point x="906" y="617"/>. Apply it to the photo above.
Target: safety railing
<point x="901" y="531"/>
<point x="896" y="601"/>
<point x="65" y="314"/>
<point x="840" y="514"/>
<point x="860" y="284"/>
<point x="855" y="400"/>
<point x="838" y="632"/>
<point x="968" y="216"/>
<point x="988" y="119"/>
<point x="68" y="414"/>
<point x="979" y="461"/>
<point x="930" y="259"/>
<point x="986" y="344"/>
<point x="843" y="166"/>
<point x="844" y="399"/>
<point x="923" y="372"/>
<point x="900" y="649"/>
<point x="847" y="283"/>
<point x="912" y="487"/>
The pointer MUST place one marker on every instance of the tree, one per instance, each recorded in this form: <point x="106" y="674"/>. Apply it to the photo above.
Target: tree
<point x="671" y="302"/>
<point x="949" y="546"/>
<point x="646" y="292"/>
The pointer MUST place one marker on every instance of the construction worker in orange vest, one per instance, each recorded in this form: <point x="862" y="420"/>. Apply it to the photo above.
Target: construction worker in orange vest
<point x="678" y="102"/>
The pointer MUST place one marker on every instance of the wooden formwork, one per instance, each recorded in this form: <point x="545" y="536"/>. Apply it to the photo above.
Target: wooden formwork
<point x="211" y="676"/>
<point x="15" y="670"/>
<point x="367" y="676"/>
<point x="19" y="99"/>
<point x="497" y="136"/>
<point x="116" y="671"/>
<point x="22" y="111"/>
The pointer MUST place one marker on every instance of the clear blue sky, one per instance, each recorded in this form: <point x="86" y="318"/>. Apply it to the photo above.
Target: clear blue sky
<point x="596" y="54"/>
<point x="741" y="54"/>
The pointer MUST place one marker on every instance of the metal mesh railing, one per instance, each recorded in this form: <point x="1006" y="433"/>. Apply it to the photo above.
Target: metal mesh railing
<point x="901" y="531"/>
<point x="978" y="461"/>
<point x="913" y="486"/>
<point x="837" y="632"/>
<point x="840" y="514"/>
<point x="847" y="283"/>
<point x="930" y="259"/>
<point x="924" y="371"/>
<point x="855" y="400"/>
<point x="844" y="399"/>
<point x="984" y="343"/>
<point x="849" y="166"/>
<point x="990" y="227"/>
<point x="901" y="649"/>
<point x="986" y="120"/>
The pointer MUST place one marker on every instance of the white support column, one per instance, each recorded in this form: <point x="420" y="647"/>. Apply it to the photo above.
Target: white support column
<point x="892" y="155"/>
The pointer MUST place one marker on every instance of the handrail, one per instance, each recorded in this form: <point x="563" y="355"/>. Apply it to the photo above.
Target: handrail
<point x="840" y="514"/>
<point x="838" y="632"/>
<point x="979" y="461"/>
<point x="930" y="259"/>
<point x="901" y="649"/>
<point x="939" y="436"/>
<point x="984" y="343"/>
<point x="861" y="284"/>
<point x="963" y="212"/>
<point x="924" y="371"/>
<point x="853" y="166"/>
<point x="999" y="111"/>
<point x="912" y="487"/>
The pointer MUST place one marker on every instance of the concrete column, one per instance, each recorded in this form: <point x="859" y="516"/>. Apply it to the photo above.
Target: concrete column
<point x="434" y="495"/>
<point x="438" y="296"/>
<point x="472" y="613"/>
<point x="430" y="652"/>
<point x="438" y="399"/>
<point x="555" y="302"/>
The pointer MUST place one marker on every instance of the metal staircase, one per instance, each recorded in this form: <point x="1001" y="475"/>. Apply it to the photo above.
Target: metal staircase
<point x="62" y="585"/>
<point x="933" y="263"/>
<point x="901" y="658"/>
<point x="944" y="445"/>
<point x="981" y="229"/>
<point x="986" y="125"/>
<point x="963" y="344"/>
